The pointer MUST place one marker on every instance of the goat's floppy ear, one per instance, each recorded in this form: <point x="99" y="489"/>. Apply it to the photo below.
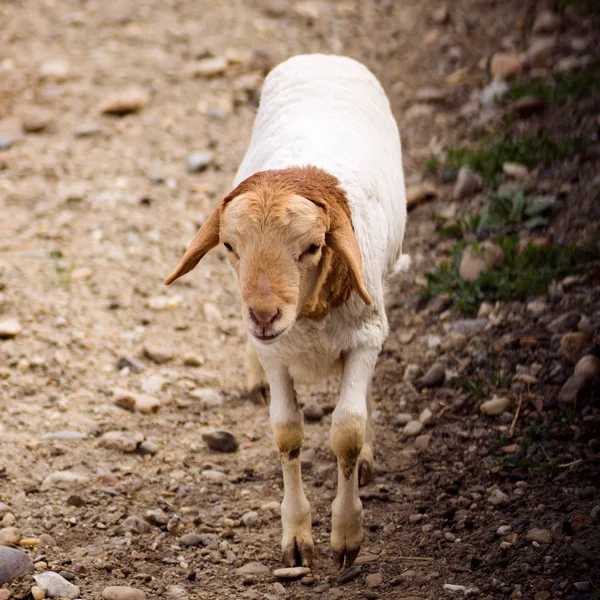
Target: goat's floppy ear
<point x="206" y="238"/>
<point x="342" y="240"/>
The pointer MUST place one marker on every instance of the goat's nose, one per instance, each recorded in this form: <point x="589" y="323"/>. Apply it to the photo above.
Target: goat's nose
<point x="264" y="316"/>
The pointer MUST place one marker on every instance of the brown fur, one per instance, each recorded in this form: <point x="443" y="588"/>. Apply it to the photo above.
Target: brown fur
<point x="270" y="194"/>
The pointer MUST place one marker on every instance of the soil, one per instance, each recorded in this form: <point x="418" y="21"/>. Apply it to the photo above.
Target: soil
<point x="91" y="224"/>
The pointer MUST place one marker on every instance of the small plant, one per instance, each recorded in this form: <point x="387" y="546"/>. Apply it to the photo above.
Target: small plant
<point x="560" y="90"/>
<point x="63" y="273"/>
<point x="590" y="5"/>
<point x="433" y="165"/>
<point x="479" y="387"/>
<point x="488" y="158"/>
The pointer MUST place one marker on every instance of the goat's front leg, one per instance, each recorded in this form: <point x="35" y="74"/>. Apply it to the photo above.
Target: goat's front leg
<point x="287" y="422"/>
<point x="347" y="441"/>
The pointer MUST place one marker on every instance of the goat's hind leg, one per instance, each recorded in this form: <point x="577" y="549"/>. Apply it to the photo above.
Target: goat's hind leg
<point x="366" y="458"/>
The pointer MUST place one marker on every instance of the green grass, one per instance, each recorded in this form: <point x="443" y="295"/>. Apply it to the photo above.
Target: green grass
<point x="488" y="158"/>
<point x="592" y="6"/>
<point x="561" y="89"/>
<point x="523" y="274"/>
<point x="481" y="387"/>
<point x="63" y="273"/>
<point x="433" y="165"/>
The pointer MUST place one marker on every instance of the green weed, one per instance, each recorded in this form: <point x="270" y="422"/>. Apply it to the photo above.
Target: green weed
<point x="480" y="387"/>
<point x="62" y="273"/>
<point x="561" y="89"/>
<point x="433" y="165"/>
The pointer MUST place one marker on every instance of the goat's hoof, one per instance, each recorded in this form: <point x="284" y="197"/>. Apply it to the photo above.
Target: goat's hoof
<point x="345" y="558"/>
<point x="298" y="553"/>
<point x="365" y="471"/>
<point x="260" y="395"/>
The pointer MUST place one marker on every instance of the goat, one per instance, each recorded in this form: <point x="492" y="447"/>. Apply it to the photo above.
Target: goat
<point x="313" y="227"/>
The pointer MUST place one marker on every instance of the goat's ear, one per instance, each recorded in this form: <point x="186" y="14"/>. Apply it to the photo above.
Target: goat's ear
<point x="206" y="238"/>
<point x="342" y="240"/>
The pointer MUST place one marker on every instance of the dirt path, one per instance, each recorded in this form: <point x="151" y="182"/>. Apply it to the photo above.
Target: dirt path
<point x="94" y="212"/>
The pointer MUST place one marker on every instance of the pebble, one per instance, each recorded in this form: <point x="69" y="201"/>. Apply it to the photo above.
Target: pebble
<point x="537" y="307"/>
<point x="565" y="323"/>
<point x="595" y="513"/>
<point x="216" y="476"/>
<point x="199" y="161"/>
<point x="467" y="183"/>
<point x="496" y="406"/>
<point x="208" y="397"/>
<point x="573" y="344"/>
<point x="134" y="365"/>
<point x="36" y="121"/>
<point x="503" y="530"/>
<point x="176" y="592"/>
<point x="540" y="51"/>
<point x="191" y="539"/>
<point x="209" y="67"/>
<point x="127" y="101"/>
<point x="547" y="21"/>
<point x="435" y="376"/>
<point x="321" y="588"/>
<point x="374" y="580"/>
<point x="220" y="441"/>
<point x="55" y="69"/>
<point x="582" y="551"/>
<point x="516" y="171"/>
<point x="192" y="360"/>
<point x="541" y="536"/>
<point x="422" y="442"/>
<point x="497" y="497"/>
<point x="6" y="142"/>
<point x="275" y="8"/>
<point x="148" y="447"/>
<point x="494" y="92"/>
<point x="87" y="130"/>
<point x="252" y="568"/>
<point x="418" y="193"/>
<point x="468" y="327"/>
<point x="426" y="416"/>
<point x="313" y="412"/>
<point x="9" y="536"/>
<point x="251" y="519"/>
<point x="582" y="586"/>
<point x="13" y="564"/>
<point x="120" y="592"/>
<point x="473" y="264"/>
<point x="5" y="594"/>
<point x="65" y="435"/>
<point x="291" y="572"/>
<point x="413" y="428"/>
<point x="505" y="65"/>
<point x="56" y="586"/>
<point x="136" y="524"/>
<point x="588" y="367"/>
<point x="64" y="480"/>
<point x="157" y="353"/>
<point x="38" y="593"/>
<point x="402" y="419"/>
<point x="527" y="106"/>
<point x="9" y="328"/>
<point x="123" y="441"/>
<point x="451" y="587"/>
<point x="279" y="589"/>
<point x="349" y="574"/>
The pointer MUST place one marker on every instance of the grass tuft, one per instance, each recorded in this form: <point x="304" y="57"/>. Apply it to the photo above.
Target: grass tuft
<point x="562" y="89"/>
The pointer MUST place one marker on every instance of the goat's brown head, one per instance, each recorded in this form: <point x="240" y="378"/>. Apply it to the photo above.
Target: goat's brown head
<point x="290" y="240"/>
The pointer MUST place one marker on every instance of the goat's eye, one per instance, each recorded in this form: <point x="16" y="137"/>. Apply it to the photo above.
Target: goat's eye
<point x="228" y="246"/>
<point x="312" y="249"/>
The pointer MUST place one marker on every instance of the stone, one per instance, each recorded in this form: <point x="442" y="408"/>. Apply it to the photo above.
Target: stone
<point x="402" y="419"/>
<point x="157" y="353"/>
<point x="582" y="551"/>
<point x="503" y="530"/>
<point x="176" y="592"/>
<point x="38" y="593"/>
<point x="468" y="327"/>
<point x="65" y="435"/>
<point x="497" y="497"/>
<point x="64" y="480"/>
<point x="571" y="388"/>
<point x="9" y="328"/>
<point x="541" y="536"/>
<point x="87" y="130"/>
<point x="6" y="142"/>
<point x="313" y="412"/>
<point x="588" y="367"/>
<point x="146" y="404"/>
<point x="505" y="65"/>
<point x="374" y="580"/>
<point x="209" y="67"/>
<point x="435" y="376"/>
<point x="516" y="171"/>
<point x="252" y="568"/>
<point x="308" y="10"/>
<point x="121" y="592"/>
<point x="192" y="360"/>
<point x="540" y="51"/>
<point x="216" y="476"/>
<point x="527" y="106"/>
<point x="199" y="161"/>
<point x="485" y="310"/>
<point x="9" y="536"/>
<point x="190" y="539"/>
<point x="413" y="428"/>
<point x="496" y="406"/>
<point x="565" y="323"/>
<point x="135" y="524"/>
<point x="349" y="574"/>
<point x="125" y="102"/>
<point x="467" y="183"/>
<point x="291" y="572"/>
<point x="451" y="587"/>
<point x="56" y="586"/>
<point x="57" y="69"/>
<point x="134" y="365"/>
<point x="494" y="92"/>
<point x="148" y="447"/>
<point x="220" y="440"/>
<point x="426" y="416"/>
<point x="13" y="564"/>
<point x="573" y="344"/>
<point x="418" y="193"/>
<point x="124" y="441"/>
<point x="251" y="519"/>
<point x="422" y="442"/>
<point x="275" y="8"/>
<point x="547" y="21"/>
<point x="475" y="261"/>
<point x="537" y="307"/>
<point x="36" y="121"/>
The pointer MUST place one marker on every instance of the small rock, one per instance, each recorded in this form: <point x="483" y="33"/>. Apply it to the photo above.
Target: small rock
<point x="55" y="69"/>
<point x="418" y="193"/>
<point x="527" y="106"/>
<point x="192" y="360"/>
<point x="190" y="539"/>
<point x="493" y="93"/>
<point x="475" y="261"/>
<point x="199" y="161"/>
<point x="157" y="353"/>
<point x="565" y="323"/>
<point x="485" y="310"/>
<point x="56" y="586"/>
<point x="546" y="21"/>
<point x="540" y="51"/>
<point x="468" y="327"/>
<point x="413" y="428"/>
<point x="216" y="476"/>
<point x="9" y="328"/>
<point x="208" y="397"/>
<point x="154" y="384"/>
<point x="65" y="435"/>
<point x="497" y="497"/>
<point x="435" y="376"/>
<point x="134" y="365"/>
<point x="571" y="388"/>
<point x="516" y="171"/>
<point x="503" y="530"/>
<point x="350" y="574"/>
<point x="148" y="447"/>
<point x="582" y="551"/>
<point x="220" y="441"/>
<point x="13" y="564"/>
<point x="322" y="588"/>
<point x="411" y="372"/>
<point x="275" y="8"/>
<point x="541" y="536"/>
<point x="176" y="592"/>
<point x="426" y="416"/>
<point x="422" y="442"/>
<point x="135" y="524"/>
<point x="582" y="586"/>
<point x="64" y="480"/>
<point x="588" y="367"/>
<point x="125" y="102"/>
<point x="9" y="536"/>
<point x="124" y="441"/>
<point x="291" y="572"/>
<point x="252" y="568"/>
<point x="146" y="404"/>
<point x="467" y="183"/>
<point x="496" y="406"/>
<point x="505" y="65"/>
<point x="38" y="593"/>
<point x="250" y="519"/>
<point x="573" y="345"/>
<point x="402" y="419"/>
<point x="451" y="587"/>
<point x="374" y="580"/>
<point x="36" y="121"/>
<point x="6" y="142"/>
<point x="87" y="130"/>
<point x="121" y="592"/>
<point x="313" y="412"/>
<point x="537" y="307"/>
<point x="209" y="67"/>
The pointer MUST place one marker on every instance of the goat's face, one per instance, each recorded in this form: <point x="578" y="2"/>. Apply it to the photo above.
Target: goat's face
<point x="293" y="255"/>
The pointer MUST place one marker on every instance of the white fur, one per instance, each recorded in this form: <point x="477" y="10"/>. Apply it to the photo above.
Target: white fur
<point x="331" y="112"/>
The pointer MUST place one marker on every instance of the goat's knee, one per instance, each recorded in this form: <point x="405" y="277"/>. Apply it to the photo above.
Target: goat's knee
<point x="289" y="436"/>
<point x="347" y="439"/>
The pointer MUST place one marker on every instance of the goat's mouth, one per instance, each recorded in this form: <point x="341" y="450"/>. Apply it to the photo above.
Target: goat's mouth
<point x="269" y="338"/>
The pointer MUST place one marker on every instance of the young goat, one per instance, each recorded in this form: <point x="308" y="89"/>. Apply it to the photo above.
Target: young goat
<point x="312" y="230"/>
